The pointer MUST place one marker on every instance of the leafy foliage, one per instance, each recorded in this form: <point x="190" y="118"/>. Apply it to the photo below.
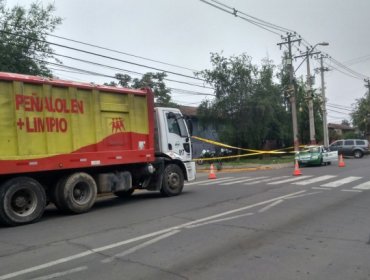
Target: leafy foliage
<point x="249" y="107"/>
<point x="361" y="114"/>
<point x="22" y="38"/>
<point x="155" y="81"/>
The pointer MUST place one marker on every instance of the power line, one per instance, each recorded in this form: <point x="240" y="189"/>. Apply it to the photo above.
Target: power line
<point x="331" y="110"/>
<point x="115" y="68"/>
<point x="277" y="27"/>
<point x="234" y="12"/>
<point x="120" y="52"/>
<point x="339" y="107"/>
<point x="104" y="75"/>
<point x="75" y="70"/>
<point x="105" y="56"/>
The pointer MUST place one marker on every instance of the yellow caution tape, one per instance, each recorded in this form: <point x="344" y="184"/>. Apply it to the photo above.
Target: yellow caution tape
<point x="256" y="152"/>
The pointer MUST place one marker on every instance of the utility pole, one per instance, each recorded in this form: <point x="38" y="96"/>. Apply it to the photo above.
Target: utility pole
<point x="311" y="117"/>
<point x="367" y="85"/>
<point x="324" y="113"/>
<point x="289" y="40"/>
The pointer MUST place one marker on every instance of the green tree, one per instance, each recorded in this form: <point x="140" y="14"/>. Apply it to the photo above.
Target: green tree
<point x="361" y="114"/>
<point x="249" y="107"/>
<point x="22" y="38"/>
<point x="155" y="81"/>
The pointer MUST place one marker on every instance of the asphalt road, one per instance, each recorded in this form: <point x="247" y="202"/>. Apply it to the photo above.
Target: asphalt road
<point x="245" y="225"/>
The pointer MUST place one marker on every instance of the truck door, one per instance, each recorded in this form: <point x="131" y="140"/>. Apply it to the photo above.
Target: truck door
<point x="178" y="138"/>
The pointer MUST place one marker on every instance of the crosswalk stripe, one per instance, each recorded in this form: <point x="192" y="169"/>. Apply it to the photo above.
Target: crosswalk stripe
<point x="211" y="182"/>
<point x="341" y="182"/>
<point x="363" y="186"/>
<point x="289" y="180"/>
<point x="242" y="181"/>
<point x="315" y="180"/>
<point x="266" y="180"/>
<point x="203" y="181"/>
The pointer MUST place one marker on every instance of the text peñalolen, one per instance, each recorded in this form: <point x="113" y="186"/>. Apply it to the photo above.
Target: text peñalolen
<point x="34" y="103"/>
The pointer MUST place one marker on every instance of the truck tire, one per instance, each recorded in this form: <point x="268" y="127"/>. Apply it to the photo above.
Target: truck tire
<point x="23" y="201"/>
<point x="124" y="194"/>
<point x="75" y="193"/>
<point x="173" y="180"/>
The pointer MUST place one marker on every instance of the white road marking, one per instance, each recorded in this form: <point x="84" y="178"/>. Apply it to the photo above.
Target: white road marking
<point x="266" y="180"/>
<point x="358" y="191"/>
<point x="270" y="206"/>
<point x="363" y="186"/>
<point x="140" y="246"/>
<point x="62" y="273"/>
<point x="318" y="188"/>
<point x="220" y="220"/>
<point x="341" y="182"/>
<point x="290" y="180"/>
<point x="138" y="238"/>
<point x="216" y="181"/>
<point x="242" y="181"/>
<point x="301" y="195"/>
<point x="315" y="180"/>
<point x="204" y="181"/>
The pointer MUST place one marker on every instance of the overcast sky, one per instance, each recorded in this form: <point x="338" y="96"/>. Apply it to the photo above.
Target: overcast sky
<point x="185" y="32"/>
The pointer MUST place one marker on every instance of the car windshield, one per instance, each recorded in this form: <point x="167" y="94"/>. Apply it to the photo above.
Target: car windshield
<point x="314" y="149"/>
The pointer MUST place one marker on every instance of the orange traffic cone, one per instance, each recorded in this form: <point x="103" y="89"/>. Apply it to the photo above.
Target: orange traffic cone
<point x="341" y="161"/>
<point x="296" y="171"/>
<point x="212" y="174"/>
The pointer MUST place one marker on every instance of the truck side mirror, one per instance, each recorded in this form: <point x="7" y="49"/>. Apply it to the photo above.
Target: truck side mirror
<point x="171" y="115"/>
<point x="189" y="124"/>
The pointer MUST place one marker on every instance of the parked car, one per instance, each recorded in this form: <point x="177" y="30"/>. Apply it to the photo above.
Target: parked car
<point x="351" y="147"/>
<point x="315" y="155"/>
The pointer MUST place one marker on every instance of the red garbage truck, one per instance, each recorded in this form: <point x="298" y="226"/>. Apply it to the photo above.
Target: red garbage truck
<point x="66" y="142"/>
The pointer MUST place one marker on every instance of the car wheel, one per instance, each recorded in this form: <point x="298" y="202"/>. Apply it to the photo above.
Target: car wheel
<point x="357" y="154"/>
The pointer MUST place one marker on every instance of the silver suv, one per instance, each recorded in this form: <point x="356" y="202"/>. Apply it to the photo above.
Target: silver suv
<point x="351" y="147"/>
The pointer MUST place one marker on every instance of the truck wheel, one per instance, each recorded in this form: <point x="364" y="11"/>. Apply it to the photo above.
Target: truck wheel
<point x="23" y="201"/>
<point x="124" y="194"/>
<point x="357" y="154"/>
<point x="75" y="193"/>
<point x="173" y="180"/>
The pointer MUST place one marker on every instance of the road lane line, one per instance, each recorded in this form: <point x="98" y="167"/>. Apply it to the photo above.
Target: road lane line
<point x="138" y="238"/>
<point x="140" y="246"/>
<point x="220" y="220"/>
<point x="264" y="209"/>
<point x="315" y="180"/>
<point x="363" y="186"/>
<point x="357" y="191"/>
<point x="341" y="182"/>
<point x="302" y="195"/>
<point x="62" y="273"/>
<point x="290" y="180"/>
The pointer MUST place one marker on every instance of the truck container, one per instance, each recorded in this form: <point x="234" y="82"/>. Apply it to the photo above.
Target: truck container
<point x="67" y="142"/>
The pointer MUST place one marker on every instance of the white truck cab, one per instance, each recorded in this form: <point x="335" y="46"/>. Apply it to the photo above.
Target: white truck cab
<point x="173" y="138"/>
